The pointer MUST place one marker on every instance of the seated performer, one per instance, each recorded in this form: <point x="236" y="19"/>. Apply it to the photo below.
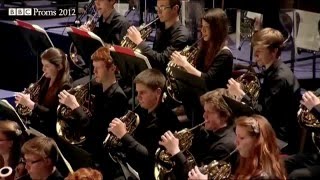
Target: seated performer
<point x="171" y="35"/>
<point x="44" y="105"/>
<point x="214" y="141"/>
<point x="109" y="101"/>
<point x="40" y="157"/>
<point x="279" y="93"/>
<point x="111" y="26"/>
<point x="214" y="61"/>
<point x="306" y="165"/>
<point x="259" y="152"/>
<point x="155" y="119"/>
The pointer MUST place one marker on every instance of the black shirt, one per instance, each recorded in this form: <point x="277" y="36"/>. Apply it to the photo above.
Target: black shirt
<point x="206" y="147"/>
<point x="175" y="38"/>
<point x="108" y="105"/>
<point x="279" y="101"/>
<point x="113" y="29"/>
<point x="141" y="147"/>
<point x="220" y="70"/>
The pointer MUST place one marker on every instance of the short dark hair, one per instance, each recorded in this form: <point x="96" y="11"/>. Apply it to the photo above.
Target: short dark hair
<point x="175" y="2"/>
<point x="152" y="78"/>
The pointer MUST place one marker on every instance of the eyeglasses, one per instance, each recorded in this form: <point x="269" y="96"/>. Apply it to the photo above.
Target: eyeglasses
<point x="29" y="162"/>
<point x="161" y="8"/>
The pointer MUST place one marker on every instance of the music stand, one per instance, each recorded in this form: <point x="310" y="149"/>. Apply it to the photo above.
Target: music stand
<point x="241" y="109"/>
<point x="130" y="63"/>
<point x="190" y="89"/>
<point x="36" y="37"/>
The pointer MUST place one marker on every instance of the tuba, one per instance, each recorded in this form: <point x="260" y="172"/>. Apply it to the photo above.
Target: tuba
<point x="172" y="88"/>
<point x="307" y="120"/>
<point x="131" y="120"/>
<point x="33" y="90"/>
<point x="218" y="170"/>
<point x="145" y="31"/>
<point x="250" y="84"/>
<point x="164" y="164"/>
<point x="64" y="127"/>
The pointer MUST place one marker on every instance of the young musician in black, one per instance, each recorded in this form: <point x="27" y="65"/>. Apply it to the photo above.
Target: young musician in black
<point x="44" y="102"/>
<point x="109" y="101"/>
<point x="111" y="26"/>
<point x="214" y="141"/>
<point x="214" y="61"/>
<point x="155" y="119"/>
<point x="280" y="90"/>
<point x="170" y="36"/>
<point x="306" y="165"/>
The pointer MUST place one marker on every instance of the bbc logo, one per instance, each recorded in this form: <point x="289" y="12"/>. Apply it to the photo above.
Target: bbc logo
<point x="20" y="12"/>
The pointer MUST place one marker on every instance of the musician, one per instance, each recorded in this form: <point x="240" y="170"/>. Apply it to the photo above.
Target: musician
<point x="280" y="90"/>
<point x="155" y="119"/>
<point x="214" y="61"/>
<point x="214" y="141"/>
<point x="259" y="152"/>
<point x="56" y="78"/>
<point x="85" y="173"/>
<point x="40" y="157"/>
<point x="111" y="25"/>
<point x="170" y="36"/>
<point x="10" y="145"/>
<point x="306" y="165"/>
<point x="109" y="102"/>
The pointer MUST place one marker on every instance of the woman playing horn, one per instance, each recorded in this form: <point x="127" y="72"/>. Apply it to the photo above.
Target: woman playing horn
<point x="259" y="153"/>
<point x="56" y="78"/>
<point x="214" y="61"/>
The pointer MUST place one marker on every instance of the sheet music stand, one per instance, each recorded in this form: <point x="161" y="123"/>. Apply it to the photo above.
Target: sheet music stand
<point x="190" y="89"/>
<point x="36" y="37"/>
<point x="130" y="63"/>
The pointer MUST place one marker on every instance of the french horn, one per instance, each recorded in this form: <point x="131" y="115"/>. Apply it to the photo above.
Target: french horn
<point x="145" y="31"/>
<point x="64" y="126"/>
<point x="307" y="120"/>
<point x="33" y="90"/>
<point x="164" y="163"/>
<point x="250" y="84"/>
<point x="171" y="85"/>
<point x="218" y="170"/>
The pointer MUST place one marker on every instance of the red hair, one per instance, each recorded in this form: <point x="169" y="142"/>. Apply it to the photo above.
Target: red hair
<point x="85" y="174"/>
<point x="266" y="154"/>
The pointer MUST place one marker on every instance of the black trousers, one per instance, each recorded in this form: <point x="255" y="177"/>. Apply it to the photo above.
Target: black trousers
<point x="303" y="166"/>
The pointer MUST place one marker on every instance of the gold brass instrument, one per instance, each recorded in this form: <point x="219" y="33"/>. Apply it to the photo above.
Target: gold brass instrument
<point x="33" y="90"/>
<point x="131" y="120"/>
<point x="73" y="52"/>
<point x="145" y="31"/>
<point x="65" y="130"/>
<point x="250" y="84"/>
<point x="307" y="120"/>
<point x="218" y="170"/>
<point x="172" y="88"/>
<point x="164" y="164"/>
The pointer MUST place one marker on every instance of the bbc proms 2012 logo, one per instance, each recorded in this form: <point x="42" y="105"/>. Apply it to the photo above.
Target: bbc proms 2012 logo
<point x="39" y="12"/>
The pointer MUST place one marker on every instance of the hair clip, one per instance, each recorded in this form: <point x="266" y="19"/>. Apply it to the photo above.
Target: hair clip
<point x="255" y="126"/>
